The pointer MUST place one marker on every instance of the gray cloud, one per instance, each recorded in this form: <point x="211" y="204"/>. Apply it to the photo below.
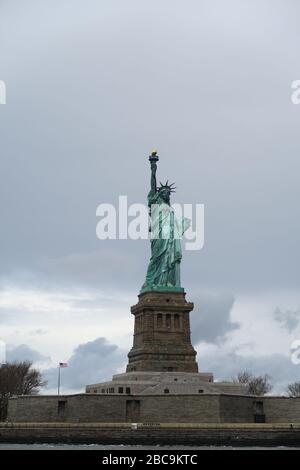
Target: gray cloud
<point x="226" y="365"/>
<point x="90" y="363"/>
<point x="210" y="321"/>
<point x="110" y="267"/>
<point x="211" y="91"/>
<point x="38" y="332"/>
<point x="23" y="352"/>
<point x="288" y="319"/>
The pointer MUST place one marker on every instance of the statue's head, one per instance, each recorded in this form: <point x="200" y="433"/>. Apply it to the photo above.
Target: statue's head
<point x="165" y="191"/>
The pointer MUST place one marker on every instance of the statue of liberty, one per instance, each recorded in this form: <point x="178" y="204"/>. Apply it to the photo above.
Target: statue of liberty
<point x="163" y="272"/>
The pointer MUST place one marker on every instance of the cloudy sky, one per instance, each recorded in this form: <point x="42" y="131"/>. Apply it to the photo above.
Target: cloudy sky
<point x="92" y="87"/>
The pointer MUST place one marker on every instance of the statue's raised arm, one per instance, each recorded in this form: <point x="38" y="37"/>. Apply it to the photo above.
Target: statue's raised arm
<point x="153" y="162"/>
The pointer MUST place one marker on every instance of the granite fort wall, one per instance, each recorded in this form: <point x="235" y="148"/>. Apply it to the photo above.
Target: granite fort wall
<point x="202" y="408"/>
<point x="180" y="409"/>
<point x="238" y="409"/>
<point x="282" y="409"/>
<point x="72" y="408"/>
<point x="114" y="409"/>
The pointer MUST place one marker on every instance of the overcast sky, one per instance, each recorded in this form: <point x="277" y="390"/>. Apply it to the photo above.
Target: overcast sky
<point x="92" y="87"/>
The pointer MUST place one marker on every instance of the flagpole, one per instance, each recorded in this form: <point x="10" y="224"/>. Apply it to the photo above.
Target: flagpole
<point x="58" y="382"/>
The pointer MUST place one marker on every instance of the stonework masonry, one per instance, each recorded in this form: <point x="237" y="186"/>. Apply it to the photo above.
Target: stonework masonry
<point x="162" y="336"/>
<point x="203" y="408"/>
<point x="162" y="358"/>
<point x="158" y="383"/>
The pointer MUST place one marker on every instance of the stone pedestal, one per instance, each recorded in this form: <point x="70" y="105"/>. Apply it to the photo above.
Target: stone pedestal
<point x="162" y="359"/>
<point x="162" y="338"/>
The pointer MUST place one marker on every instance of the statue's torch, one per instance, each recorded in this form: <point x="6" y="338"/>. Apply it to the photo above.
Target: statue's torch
<point x="153" y="157"/>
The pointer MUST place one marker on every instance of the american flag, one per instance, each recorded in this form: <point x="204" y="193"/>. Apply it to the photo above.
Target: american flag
<point x="63" y="364"/>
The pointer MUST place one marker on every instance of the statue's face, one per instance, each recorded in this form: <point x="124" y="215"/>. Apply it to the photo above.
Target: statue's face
<point x="165" y="195"/>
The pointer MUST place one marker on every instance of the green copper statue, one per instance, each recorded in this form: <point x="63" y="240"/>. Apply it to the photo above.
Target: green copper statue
<point x="163" y="272"/>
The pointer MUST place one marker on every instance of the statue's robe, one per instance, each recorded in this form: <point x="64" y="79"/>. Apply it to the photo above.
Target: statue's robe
<point x="166" y="232"/>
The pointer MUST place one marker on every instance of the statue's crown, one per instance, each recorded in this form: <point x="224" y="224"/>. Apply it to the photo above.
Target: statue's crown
<point x="168" y="186"/>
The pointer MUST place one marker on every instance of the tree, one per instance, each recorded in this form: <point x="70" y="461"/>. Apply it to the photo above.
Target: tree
<point x="18" y="378"/>
<point x="255" y="385"/>
<point x="243" y="377"/>
<point x="294" y="389"/>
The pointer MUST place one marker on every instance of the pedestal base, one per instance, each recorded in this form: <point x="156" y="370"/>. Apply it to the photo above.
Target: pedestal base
<point x="162" y="340"/>
<point x="161" y="383"/>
